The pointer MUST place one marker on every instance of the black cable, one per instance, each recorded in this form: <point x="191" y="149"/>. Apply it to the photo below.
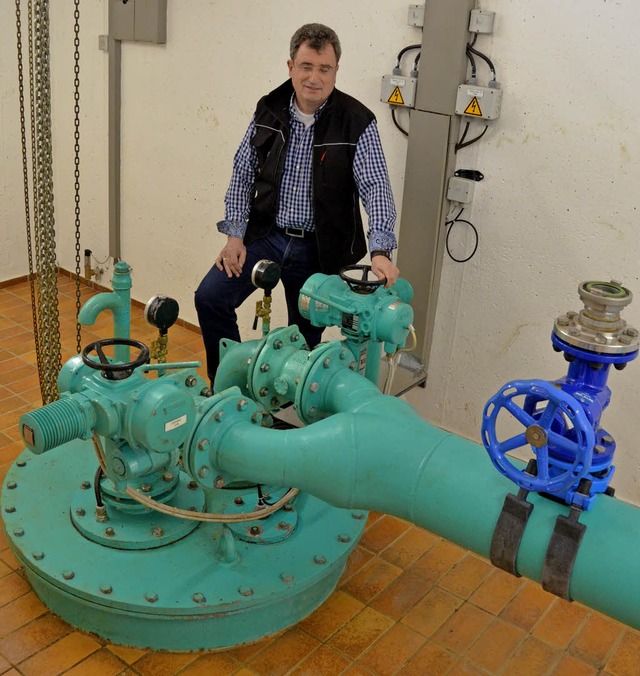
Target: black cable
<point x="403" y="51"/>
<point x="395" y="121"/>
<point x="472" y="61"/>
<point x="462" y="144"/>
<point x="96" y="486"/>
<point x="416" y="62"/>
<point x="484" y="57"/>
<point x="451" y="223"/>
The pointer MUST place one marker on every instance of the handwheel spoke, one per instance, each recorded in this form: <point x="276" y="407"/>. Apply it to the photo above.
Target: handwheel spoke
<point x="548" y="415"/>
<point x="520" y="415"/>
<point x="515" y="442"/>
<point x="101" y="355"/>
<point x="563" y="443"/>
<point x="542" y="461"/>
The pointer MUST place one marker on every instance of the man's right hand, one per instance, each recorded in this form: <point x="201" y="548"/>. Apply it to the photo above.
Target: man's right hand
<point x="232" y="257"/>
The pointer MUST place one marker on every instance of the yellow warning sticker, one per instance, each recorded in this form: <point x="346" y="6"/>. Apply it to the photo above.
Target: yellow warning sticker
<point x="473" y="108"/>
<point x="396" y="97"/>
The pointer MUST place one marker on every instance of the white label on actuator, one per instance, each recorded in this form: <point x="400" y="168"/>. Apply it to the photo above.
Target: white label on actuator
<point x="478" y="93"/>
<point x="397" y="82"/>
<point x="174" y="424"/>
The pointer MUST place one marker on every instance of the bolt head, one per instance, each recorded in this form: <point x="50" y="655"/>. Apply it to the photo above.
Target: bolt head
<point x="242" y="404"/>
<point x="255" y="530"/>
<point x="245" y="591"/>
<point x="151" y="597"/>
<point x="38" y="556"/>
<point x="218" y="415"/>
<point x="630" y="331"/>
<point x="23" y="463"/>
<point x="277" y="344"/>
<point x="68" y="574"/>
<point x="85" y="485"/>
<point x="202" y="444"/>
<point x="314" y="387"/>
<point x="12" y="484"/>
<point x="319" y="559"/>
<point x="198" y="597"/>
<point x="18" y="532"/>
<point x="203" y="471"/>
<point x="287" y="578"/>
<point x="191" y="381"/>
<point x="295" y="337"/>
<point x="264" y="368"/>
<point x="344" y="537"/>
<point x="106" y="589"/>
<point x="563" y="321"/>
<point x="192" y="485"/>
<point x="109" y="532"/>
<point x="288" y="507"/>
<point x="157" y="532"/>
<point x="263" y="391"/>
<point x="10" y="509"/>
<point x="167" y="476"/>
<point x="326" y="363"/>
<point x="219" y="482"/>
<point x="145" y="488"/>
<point x="238" y="500"/>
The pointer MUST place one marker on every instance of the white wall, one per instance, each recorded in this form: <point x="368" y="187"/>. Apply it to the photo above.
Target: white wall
<point x="558" y="204"/>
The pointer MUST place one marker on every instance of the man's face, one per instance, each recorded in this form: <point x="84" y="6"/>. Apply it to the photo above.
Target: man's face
<point x="313" y="74"/>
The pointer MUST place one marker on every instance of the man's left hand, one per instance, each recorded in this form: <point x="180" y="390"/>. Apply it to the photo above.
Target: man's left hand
<point x="383" y="268"/>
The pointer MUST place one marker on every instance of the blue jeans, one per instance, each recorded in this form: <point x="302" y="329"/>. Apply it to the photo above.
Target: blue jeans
<point x="218" y="296"/>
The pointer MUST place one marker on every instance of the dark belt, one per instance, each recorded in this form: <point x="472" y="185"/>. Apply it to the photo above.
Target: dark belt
<point x="300" y="233"/>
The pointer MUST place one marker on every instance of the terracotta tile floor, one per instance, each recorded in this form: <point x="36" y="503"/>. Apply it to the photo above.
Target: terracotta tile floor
<point x="408" y="602"/>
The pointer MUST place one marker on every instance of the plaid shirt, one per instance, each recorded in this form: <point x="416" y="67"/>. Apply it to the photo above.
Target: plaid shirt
<point x="295" y="204"/>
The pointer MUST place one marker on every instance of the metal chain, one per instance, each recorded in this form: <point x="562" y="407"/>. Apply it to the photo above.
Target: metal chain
<point x="25" y="172"/>
<point x="76" y="159"/>
<point x="48" y="300"/>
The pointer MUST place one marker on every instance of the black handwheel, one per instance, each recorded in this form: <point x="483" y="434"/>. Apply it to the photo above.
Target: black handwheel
<point x="364" y="285"/>
<point x="117" y="371"/>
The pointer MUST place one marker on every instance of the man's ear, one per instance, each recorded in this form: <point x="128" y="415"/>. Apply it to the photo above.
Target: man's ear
<point x="290" y="66"/>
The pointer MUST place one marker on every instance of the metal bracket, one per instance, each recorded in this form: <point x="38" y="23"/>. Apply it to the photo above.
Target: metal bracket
<point x="562" y="552"/>
<point x="509" y="531"/>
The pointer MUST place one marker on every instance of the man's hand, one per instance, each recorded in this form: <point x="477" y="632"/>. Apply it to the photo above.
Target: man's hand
<point x="232" y="257"/>
<point x="383" y="268"/>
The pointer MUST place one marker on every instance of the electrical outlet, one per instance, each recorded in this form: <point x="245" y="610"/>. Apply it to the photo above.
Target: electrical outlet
<point x="416" y="16"/>
<point x="481" y="21"/>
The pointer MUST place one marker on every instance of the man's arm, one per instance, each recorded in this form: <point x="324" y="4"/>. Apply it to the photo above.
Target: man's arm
<point x="237" y="203"/>
<point x="372" y="179"/>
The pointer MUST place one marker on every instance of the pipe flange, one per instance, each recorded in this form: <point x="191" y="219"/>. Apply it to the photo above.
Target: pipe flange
<point x="270" y="383"/>
<point x="598" y="327"/>
<point x="324" y="361"/>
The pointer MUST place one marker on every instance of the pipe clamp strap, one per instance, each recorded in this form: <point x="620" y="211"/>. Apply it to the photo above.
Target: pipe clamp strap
<point x="509" y="531"/>
<point x="561" y="554"/>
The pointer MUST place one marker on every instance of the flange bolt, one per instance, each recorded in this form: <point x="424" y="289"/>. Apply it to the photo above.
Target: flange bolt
<point x="245" y="591"/>
<point x="343" y="537"/>
<point x="152" y="597"/>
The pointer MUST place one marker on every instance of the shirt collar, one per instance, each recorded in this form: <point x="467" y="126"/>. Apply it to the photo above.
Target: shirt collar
<point x="292" y="110"/>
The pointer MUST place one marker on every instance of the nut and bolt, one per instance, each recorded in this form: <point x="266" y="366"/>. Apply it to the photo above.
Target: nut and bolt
<point x="343" y="537"/>
<point x="599" y="449"/>
<point x="192" y="485"/>
<point x="263" y="391"/>
<point x="326" y="363"/>
<point x="245" y="591"/>
<point x="255" y="530"/>
<point x="203" y="471"/>
<point x="358" y="516"/>
<point x="277" y="344"/>
<point x="264" y="368"/>
<point x="238" y="500"/>
<point x="352" y="365"/>
<point x="68" y="574"/>
<point x="191" y="381"/>
<point x="198" y="597"/>
<point x="23" y="463"/>
<point x="206" y="392"/>
<point x="242" y="404"/>
<point x="202" y="444"/>
<point x="343" y="354"/>
<point x="287" y="578"/>
<point x="101" y="514"/>
<point x="38" y="556"/>
<point x="151" y="597"/>
<point x="167" y="476"/>
<point x="256" y="417"/>
<point x="10" y="509"/>
<point x="312" y="412"/>
<point x="12" y="484"/>
<point x="314" y="387"/>
<point x="157" y="532"/>
<point x="600" y="339"/>
<point x="607" y="439"/>
<point x="574" y="332"/>
<point x="319" y="559"/>
<point x="563" y="321"/>
<point x="106" y="589"/>
<point x="288" y="507"/>
<point x="145" y="488"/>
<point x="219" y="482"/>
<point x="109" y="532"/>
<point x="630" y="331"/>
<point x="85" y="485"/>
<point x="18" y="532"/>
<point x="283" y="525"/>
<point x="625" y="340"/>
<point x="295" y="337"/>
<point x="218" y="415"/>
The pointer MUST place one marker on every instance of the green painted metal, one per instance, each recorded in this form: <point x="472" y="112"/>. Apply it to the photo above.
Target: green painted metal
<point x="210" y="589"/>
<point x="119" y="302"/>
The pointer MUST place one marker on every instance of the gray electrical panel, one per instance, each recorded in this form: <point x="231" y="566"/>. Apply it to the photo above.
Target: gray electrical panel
<point x="138" y="20"/>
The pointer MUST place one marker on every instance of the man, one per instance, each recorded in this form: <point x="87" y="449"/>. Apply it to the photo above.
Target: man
<point x="309" y="155"/>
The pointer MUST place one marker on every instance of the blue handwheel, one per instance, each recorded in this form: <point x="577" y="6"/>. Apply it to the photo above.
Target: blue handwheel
<point x="539" y="434"/>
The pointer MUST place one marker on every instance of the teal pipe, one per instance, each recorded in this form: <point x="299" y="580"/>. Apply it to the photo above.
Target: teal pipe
<point x="119" y="302"/>
<point x="376" y="453"/>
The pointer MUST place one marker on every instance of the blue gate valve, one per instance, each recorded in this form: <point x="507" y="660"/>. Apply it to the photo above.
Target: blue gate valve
<point x="573" y="453"/>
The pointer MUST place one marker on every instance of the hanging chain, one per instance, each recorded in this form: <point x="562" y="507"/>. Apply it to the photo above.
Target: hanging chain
<point x="76" y="158"/>
<point x="49" y="318"/>
<point x="25" y="169"/>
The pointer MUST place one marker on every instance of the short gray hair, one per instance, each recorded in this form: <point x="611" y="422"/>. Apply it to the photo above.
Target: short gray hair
<point x="317" y="35"/>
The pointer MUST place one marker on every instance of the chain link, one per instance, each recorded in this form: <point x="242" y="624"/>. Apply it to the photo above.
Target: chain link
<point x="76" y="158"/>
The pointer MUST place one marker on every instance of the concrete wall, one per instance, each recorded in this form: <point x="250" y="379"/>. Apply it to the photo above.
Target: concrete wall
<point x="558" y="204"/>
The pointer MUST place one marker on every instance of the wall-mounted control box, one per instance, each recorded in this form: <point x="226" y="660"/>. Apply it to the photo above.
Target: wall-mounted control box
<point x="481" y="21"/>
<point x="398" y="90"/>
<point x="483" y="103"/>
<point x="460" y="190"/>
<point x="416" y="16"/>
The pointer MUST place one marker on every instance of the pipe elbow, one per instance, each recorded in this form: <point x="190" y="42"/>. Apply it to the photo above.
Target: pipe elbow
<point x="97" y="304"/>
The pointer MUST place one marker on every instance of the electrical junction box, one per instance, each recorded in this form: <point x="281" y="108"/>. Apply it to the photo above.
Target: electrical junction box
<point x="460" y="190"/>
<point x="398" y="90"/>
<point x="483" y="103"/>
<point x="481" y="21"/>
<point x="416" y="16"/>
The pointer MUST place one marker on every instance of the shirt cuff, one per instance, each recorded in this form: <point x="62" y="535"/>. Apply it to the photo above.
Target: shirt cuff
<point x="382" y="241"/>
<point x="232" y="228"/>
